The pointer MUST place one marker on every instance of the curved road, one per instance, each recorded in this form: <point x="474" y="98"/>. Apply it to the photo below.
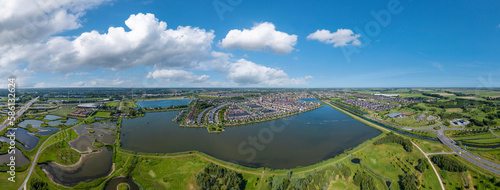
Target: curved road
<point x="476" y="160"/>
<point x="34" y="161"/>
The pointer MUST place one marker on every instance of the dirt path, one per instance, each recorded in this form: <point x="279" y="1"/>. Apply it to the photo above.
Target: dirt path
<point x="434" y="168"/>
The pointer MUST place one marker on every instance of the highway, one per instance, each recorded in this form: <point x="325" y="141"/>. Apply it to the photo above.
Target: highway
<point x="19" y="113"/>
<point x="476" y="160"/>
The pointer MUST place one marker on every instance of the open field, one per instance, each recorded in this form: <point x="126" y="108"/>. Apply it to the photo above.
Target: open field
<point x="62" y="112"/>
<point x="452" y="110"/>
<point x="112" y="104"/>
<point x="129" y="104"/>
<point x="444" y="94"/>
<point x="102" y="114"/>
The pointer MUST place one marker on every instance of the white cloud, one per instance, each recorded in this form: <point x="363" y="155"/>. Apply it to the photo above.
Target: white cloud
<point x="341" y="37"/>
<point x="245" y="72"/>
<point x="100" y="83"/>
<point x="26" y="21"/>
<point x="261" y="37"/>
<point x="148" y="42"/>
<point x="77" y="74"/>
<point x="171" y="75"/>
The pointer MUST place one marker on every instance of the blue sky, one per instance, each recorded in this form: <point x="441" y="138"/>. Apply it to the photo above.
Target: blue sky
<point x="252" y="43"/>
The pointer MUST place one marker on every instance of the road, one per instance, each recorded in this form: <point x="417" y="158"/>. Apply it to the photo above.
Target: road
<point x="434" y="168"/>
<point x="18" y="114"/>
<point x="476" y="160"/>
<point x="35" y="160"/>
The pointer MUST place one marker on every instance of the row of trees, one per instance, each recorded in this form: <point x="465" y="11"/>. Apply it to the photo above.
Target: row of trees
<point x="391" y="137"/>
<point x="448" y="163"/>
<point x="215" y="177"/>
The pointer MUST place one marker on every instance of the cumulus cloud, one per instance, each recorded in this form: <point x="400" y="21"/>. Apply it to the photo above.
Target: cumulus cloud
<point x="148" y="42"/>
<point x="341" y="37"/>
<point x="26" y="21"/>
<point x="245" y="72"/>
<point x="171" y="75"/>
<point x="261" y="37"/>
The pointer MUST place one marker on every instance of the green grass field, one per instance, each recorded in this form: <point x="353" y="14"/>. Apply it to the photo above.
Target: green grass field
<point x="454" y="110"/>
<point x="112" y="104"/>
<point x="61" y="153"/>
<point x="62" y="112"/>
<point x="169" y="173"/>
<point x="102" y="114"/>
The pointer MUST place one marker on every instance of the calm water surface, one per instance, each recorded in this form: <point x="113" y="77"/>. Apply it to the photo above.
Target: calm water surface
<point x="162" y="103"/>
<point x="305" y="139"/>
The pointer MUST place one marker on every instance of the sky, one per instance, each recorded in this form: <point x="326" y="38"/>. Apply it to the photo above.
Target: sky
<point x="242" y="43"/>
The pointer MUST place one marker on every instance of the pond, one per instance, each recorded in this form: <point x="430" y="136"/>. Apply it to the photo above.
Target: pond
<point x="37" y="124"/>
<point x="356" y="160"/>
<point x="162" y="103"/>
<point x="300" y="140"/>
<point x="27" y="138"/>
<point x="21" y="160"/>
<point x="51" y="117"/>
<point x="68" y="122"/>
<point x="93" y="166"/>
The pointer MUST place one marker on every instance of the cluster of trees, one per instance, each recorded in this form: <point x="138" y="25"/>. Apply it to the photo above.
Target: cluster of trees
<point x="421" y="166"/>
<point x="487" y="122"/>
<point x="215" y="177"/>
<point x="202" y="105"/>
<point x="281" y="185"/>
<point x="448" y="163"/>
<point x="391" y="137"/>
<point x="4" y="147"/>
<point x="39" y="184"/>
<point x="452" y="115"/>
<point x="408" y="182"/>
<point x="134" y="112"/>
<point x="364" y="181"/>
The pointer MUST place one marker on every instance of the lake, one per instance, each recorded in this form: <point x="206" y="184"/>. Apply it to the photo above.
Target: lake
<point x="162" y="103"/>
<point x="300" y="140"/>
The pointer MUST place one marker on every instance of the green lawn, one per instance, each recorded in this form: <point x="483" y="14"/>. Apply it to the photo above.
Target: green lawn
<point x="391" y="160"/>
<point x="102" y="114"/>
<point x="61" y="153"/>
<point x="169" y="173"/>
<point x="62" y="112"/>
<point x="430" y="147"/>
<point x="112" y="104"/>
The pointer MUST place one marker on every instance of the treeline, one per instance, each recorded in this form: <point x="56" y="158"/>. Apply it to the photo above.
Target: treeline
<point x="434" y="95"/>
<point x="364" y="181"/>
<point x="391" y="137"/>
<point x="448" y="163"/>
<point x="215" y="177"/>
